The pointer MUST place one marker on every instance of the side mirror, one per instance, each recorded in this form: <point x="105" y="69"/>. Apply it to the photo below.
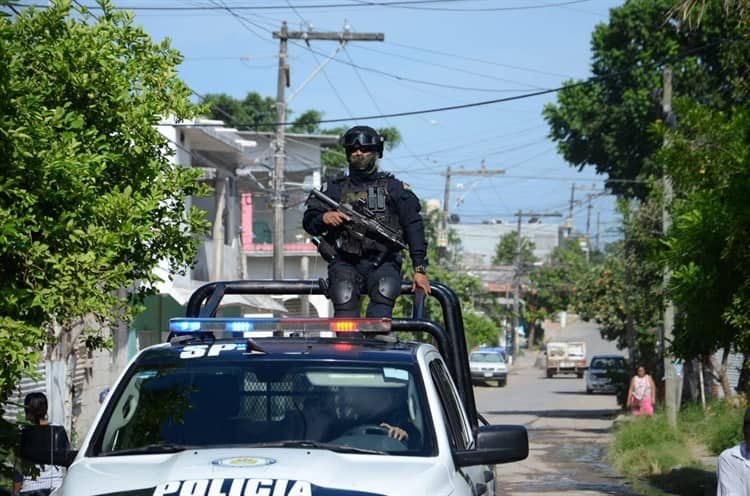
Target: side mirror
<point x="495" y="444"/>
<point x="46" y="445"/>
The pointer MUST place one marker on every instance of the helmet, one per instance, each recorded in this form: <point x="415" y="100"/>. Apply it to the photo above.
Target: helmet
<point x="363" y="137"/>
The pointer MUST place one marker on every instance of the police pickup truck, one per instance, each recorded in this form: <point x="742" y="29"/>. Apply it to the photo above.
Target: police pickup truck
<point x="288" y="407"/>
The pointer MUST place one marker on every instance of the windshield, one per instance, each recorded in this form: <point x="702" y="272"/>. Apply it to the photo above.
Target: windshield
<point x="608" y="363"/>
<point x="260" y="402"/>
<point x="486" y="357"/>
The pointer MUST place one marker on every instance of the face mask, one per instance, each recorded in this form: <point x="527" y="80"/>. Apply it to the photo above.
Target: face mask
<point x="364" y="162"/>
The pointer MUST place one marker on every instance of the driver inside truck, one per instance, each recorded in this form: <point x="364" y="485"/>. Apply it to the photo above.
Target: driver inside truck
<point x="381" y="407"/>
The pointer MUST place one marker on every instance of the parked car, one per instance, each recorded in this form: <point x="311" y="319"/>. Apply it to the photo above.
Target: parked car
<point x="486" y="366"/>
<point x="606" y="374"/>
<point x="497" y="349"/>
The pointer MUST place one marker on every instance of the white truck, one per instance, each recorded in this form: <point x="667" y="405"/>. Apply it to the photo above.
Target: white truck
<point x="280" y="407"/>
<point x="566" y="357"/>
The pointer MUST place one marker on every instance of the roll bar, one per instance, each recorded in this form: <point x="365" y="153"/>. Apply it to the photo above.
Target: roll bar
<point x="452" y="340"/>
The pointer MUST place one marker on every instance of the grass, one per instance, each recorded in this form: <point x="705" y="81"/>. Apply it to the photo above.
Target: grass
<point x="659" y="460"/>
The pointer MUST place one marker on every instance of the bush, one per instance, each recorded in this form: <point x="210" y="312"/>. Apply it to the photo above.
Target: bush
<point x="647" y="445"/>
<point x="718" y="427"/>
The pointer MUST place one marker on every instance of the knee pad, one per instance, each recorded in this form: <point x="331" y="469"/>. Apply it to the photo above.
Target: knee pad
<point x="344" y="291"/>
<point x="385" y="290"/>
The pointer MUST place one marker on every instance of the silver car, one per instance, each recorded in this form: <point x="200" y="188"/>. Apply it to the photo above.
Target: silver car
<point x="488" y="366"/>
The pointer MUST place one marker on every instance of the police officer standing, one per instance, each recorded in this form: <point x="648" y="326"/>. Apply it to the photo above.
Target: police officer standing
<point x="373" y="268"/>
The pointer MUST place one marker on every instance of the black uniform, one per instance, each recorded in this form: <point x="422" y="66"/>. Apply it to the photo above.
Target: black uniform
<point x="371" y="269"/>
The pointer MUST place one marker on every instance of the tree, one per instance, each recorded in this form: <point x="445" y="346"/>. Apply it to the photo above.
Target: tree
<point x="89" y="200"/>
<point x="605" y="123"/>
<point x="253" y="112"/>
<point x="505" y="252"/>
<point x="624" y="294"/>
<point x="257" y="113"/>
<point x="706" y="248"/>
<point x="554" y="281"/>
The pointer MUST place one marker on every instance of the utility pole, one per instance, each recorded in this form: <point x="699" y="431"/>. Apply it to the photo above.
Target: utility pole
<point x="518" y="272"/>
<point x="570" y="208"/>
<point x="442" y="238"/>
<point x="671" y="389"/>
<point x="598" y="229"/>
<point x="588" y="228"/>
<point x="483" y="171"/>
<point x="571" y="205"/>
<point x="629" y="326"/>
<point x="278" y="195"/>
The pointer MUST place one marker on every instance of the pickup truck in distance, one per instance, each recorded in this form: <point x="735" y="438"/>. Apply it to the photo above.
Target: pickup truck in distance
<point x="566" y="357"/>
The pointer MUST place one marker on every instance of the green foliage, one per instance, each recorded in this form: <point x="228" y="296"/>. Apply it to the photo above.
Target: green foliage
<point x="256" y="113"/>
<point x="709" y="160"/>
<point x="307" y="123"/>
<point x="505" y="251"/>
<point x="606" y="124"/>
<point x="670" y="458"/>
<point x="555" y="281"/>
<point x="623" y="294"/>
<point x="480" y="330"/>
<point x="89" y="201"/>
<point x="247" y="113"/>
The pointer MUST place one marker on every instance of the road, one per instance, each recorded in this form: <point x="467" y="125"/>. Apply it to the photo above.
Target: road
<point x="569" y="430"/>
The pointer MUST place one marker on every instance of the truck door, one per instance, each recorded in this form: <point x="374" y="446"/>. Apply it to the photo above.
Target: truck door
<point x="476" y="480"/>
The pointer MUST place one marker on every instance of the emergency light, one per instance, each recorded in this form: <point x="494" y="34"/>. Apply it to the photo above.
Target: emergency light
<point x="278" y="327"/>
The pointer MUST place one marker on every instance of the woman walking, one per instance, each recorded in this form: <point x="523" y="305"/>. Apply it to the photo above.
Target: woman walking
<point x="642" y="393"/>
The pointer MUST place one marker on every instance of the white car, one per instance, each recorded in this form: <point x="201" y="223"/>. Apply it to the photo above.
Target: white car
<point x="343" y="413"/>
<point x="487" y="366"/>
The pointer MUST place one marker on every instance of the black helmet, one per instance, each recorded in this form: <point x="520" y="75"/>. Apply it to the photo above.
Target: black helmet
<point x="363" y="137"/>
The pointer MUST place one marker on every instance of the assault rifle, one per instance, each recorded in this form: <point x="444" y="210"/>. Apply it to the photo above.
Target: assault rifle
<point x="363" y="228"/>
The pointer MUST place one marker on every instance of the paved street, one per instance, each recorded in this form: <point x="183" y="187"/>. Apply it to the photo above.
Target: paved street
<point x="568" y="429"/>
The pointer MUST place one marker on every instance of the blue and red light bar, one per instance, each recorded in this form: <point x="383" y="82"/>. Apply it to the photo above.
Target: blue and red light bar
<point x="278" y="327"/>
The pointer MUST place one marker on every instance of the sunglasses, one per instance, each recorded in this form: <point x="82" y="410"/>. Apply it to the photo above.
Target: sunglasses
<point x="361" y="141"/>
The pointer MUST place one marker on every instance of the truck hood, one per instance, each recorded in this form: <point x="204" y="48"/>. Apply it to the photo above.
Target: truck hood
<point x="253" y="471"/>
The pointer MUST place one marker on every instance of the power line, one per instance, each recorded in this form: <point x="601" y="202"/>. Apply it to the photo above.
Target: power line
<point x="377" y="107"/>
<point x="425" y="111"/>
<point x="585" y="82"/>
<point x="413" y="4"/>
<point x="463" y="70"/>
<point x="494" y="9"/>
<point x="475" y="59"/>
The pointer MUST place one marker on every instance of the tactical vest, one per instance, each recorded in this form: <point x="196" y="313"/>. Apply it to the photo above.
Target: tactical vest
<point x="372" y="197"/>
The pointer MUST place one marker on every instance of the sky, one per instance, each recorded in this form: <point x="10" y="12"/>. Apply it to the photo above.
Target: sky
<point x="436" y="53"/>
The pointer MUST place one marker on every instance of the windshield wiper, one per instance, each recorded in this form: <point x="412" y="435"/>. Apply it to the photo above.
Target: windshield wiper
<point x="149" y="449"/>
<point x="338" y="448"/>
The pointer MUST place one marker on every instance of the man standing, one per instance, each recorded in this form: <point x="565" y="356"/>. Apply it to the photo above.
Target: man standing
<point x="357" y="267"/>
<point x="733" y="466"/>
<point x="50" y="476"/>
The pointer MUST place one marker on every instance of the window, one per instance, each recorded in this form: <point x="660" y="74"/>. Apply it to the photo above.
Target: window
<point x="458" y="426"/>
<point x="257" y="401"/>
<point x="486" y="357"/>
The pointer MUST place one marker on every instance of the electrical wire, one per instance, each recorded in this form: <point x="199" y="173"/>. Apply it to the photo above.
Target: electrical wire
<point x="413" y="4"/>
<point x="488" y="9"/>
<point x="584" y="82"/>
<point x="462" y="70"/>
<point x="475" y="59"/>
